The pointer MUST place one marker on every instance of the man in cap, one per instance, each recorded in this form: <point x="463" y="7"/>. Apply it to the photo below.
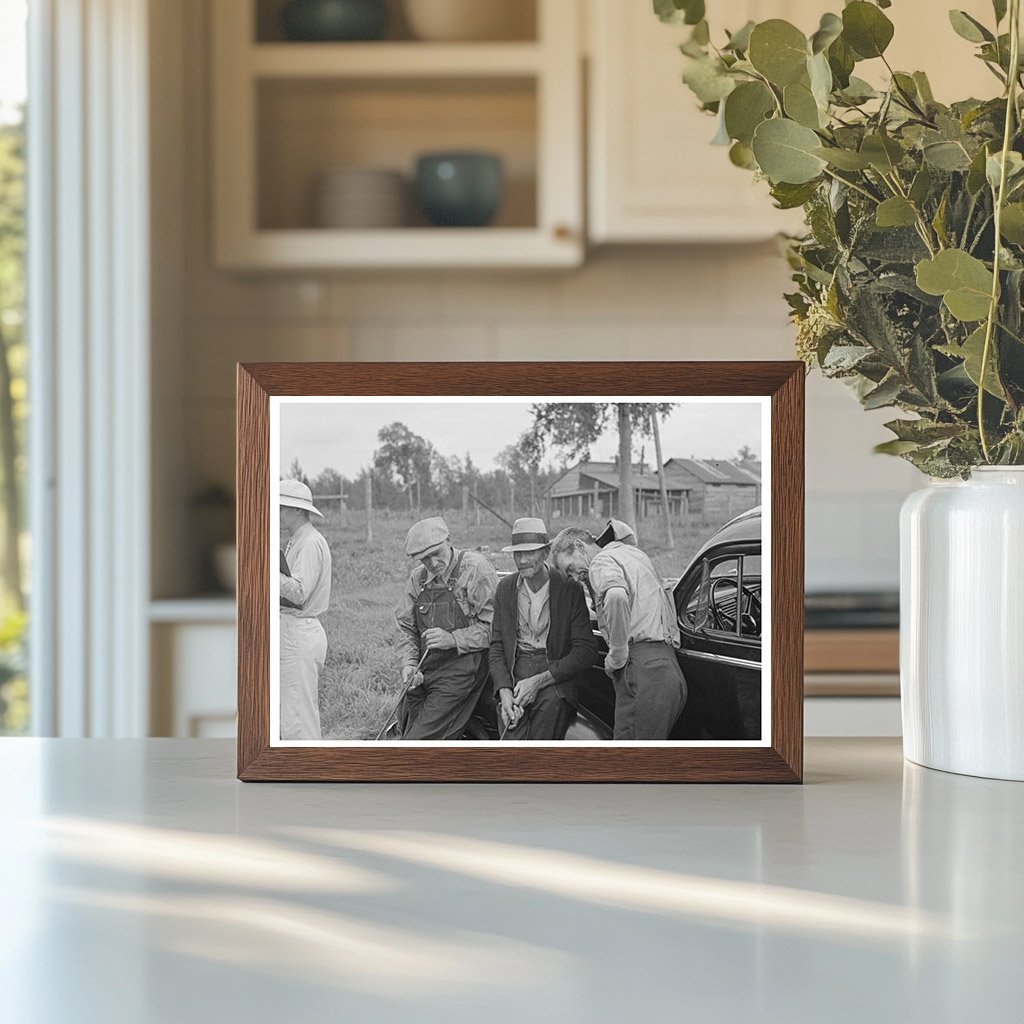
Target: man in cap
<point x="305" y="594"/>
<point x="638" y="621"/>
<point x="541" y="640"/>
<point x="444" y="628"/>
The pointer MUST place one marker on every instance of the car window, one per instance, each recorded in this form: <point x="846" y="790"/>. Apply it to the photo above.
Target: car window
<point x="724" y="598"/>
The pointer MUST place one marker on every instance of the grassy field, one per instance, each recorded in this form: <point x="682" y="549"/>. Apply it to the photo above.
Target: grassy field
<point x="361" y="680"/>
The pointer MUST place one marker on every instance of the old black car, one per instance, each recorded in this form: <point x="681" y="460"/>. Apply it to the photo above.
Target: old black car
<point x="718" y="601"/>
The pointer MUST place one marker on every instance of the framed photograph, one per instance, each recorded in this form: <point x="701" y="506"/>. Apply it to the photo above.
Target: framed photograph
<point x="519" y="572"/>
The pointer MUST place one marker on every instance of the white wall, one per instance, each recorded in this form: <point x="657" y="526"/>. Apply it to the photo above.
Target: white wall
<point x="721" y="302"/>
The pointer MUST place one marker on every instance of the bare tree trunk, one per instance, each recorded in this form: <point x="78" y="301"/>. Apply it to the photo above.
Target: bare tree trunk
<point x="656" y="430"/>
<point x="9" y="468"/>
<point x="627" y="512"/>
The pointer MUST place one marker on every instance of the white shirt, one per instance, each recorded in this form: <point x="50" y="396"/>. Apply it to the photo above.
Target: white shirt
<point x="534" y="616"/>
<point x="309" y="562"/>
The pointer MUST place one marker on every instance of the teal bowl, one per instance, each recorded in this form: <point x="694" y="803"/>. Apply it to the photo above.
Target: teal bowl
<point x="334" y="21"/>
<point x="462" y="190"/>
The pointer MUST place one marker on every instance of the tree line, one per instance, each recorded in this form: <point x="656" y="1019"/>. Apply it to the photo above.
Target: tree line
<point x="409" y="473"/>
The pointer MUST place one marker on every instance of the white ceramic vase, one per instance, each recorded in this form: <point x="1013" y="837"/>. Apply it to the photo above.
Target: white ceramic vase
<point x="962" y="624"/>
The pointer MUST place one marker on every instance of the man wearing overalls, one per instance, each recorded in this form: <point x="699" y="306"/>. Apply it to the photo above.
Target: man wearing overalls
<point x="444" y="627"/>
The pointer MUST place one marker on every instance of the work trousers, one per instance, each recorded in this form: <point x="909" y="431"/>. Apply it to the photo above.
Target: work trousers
<point x="650" y="692"/>
<point x="303" y="652"/>
<point x="549" y="716"/>
<point x="442" y="706"/>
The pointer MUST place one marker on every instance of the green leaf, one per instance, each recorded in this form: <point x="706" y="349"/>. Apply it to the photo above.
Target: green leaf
<point x="885" y="394"/>
<point x="676" y="12"/>
<point x="800" y="105"/>
<point x="895" y="447"/>
<point x="841" y="60"/>
<point x="946" y="156"/>
<point x="963" y="281"/>
<point x="999" y="7"/>
<point x="739" y="41"/>
<point x="785" y="152"/>
<point x="820" y="76"/>
<point x="707" y="80"/>
<point x="971" y="352"/>
<point x="939" y="220"/>
<point x="1011" y="226"/>
<point x="1014" y="169"/>
<point x="896" y="212"/>
<point x="924" y="88"/>
<point x="976" y="175"/>
<point x="883" y="153"/>
<point x="923" y="431"/>
<point x="830" y="28"/>
<point x="701" y="33"/>
<point x="866" y="29"/>
<point x="844" y="159"/>
<point x="789" y="197"/>
<point x="921" y="185"/>
<point x="968" y="28"/>
<point x="778" y="50"/>
<point x="742" y="155"/>
<point x="745" y="108"/>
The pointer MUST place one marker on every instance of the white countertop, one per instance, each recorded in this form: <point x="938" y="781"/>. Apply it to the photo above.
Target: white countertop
<point x="144" y="885"/>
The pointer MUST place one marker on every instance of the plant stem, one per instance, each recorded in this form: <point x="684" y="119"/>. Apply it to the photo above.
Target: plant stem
<point x="855" y="187"/>
<point x="993" y="308"/>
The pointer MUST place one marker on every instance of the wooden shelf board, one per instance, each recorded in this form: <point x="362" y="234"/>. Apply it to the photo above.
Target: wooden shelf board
<point x="393" y="60"/>
<point x="402" y="247"/>
<point x="852" y="650"/>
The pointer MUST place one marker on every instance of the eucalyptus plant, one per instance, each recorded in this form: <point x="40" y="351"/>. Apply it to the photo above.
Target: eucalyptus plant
<point x="909" y="279"/>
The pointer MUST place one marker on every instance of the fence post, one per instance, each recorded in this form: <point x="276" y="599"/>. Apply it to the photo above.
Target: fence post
<point x="369" y="509"/>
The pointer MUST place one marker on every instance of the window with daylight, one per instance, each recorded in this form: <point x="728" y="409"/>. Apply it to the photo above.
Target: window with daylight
<point x="14" y="549"/>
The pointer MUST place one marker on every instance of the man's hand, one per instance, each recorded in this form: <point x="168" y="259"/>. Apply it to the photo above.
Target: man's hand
<point x="614" y="660"/>
<point x="510" y="714"/>
<point x="435" y="639"/>
<point x="411" y="678"/>
<point x="527" y="689"/>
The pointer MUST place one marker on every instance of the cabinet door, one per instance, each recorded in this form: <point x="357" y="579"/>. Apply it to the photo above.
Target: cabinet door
<point x="654" y="175"/>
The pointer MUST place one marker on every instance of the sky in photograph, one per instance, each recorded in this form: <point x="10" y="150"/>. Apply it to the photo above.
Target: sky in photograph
<point x="343" y="435"/>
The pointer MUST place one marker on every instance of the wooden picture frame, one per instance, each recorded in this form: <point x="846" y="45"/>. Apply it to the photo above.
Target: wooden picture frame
<point x="778" y="759"/>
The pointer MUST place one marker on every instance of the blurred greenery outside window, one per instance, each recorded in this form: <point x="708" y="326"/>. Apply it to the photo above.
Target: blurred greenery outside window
<point x="14" y="693"/>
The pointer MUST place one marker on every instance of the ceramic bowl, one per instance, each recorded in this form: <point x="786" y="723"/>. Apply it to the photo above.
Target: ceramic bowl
<point x="460" y="189"/>
<point x="471" y="20"/>
<point x="334" y="20"/>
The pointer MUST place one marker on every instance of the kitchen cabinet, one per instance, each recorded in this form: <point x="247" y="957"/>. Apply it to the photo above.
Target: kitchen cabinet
<point x="287" y="113"/>
<point x="653" y="175"/>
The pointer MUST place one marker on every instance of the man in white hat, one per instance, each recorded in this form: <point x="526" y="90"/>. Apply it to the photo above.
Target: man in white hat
<point x="637" y="619"/>
<point x="541" y="640"/>
<point x="307" y="590"/>
<point x="444" y="628"/>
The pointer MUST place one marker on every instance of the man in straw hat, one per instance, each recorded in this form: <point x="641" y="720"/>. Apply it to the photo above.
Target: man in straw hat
<point x="541" y="640"/>
<point x="305" y="594"/>
<point x="444" y="627"/>
<point x="638" y="621"/>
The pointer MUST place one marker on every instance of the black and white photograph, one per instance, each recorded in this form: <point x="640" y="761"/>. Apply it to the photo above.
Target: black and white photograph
<point x="492" y="570"/>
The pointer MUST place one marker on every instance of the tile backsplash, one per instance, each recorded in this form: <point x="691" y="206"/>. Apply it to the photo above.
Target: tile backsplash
<point x="716" y="302"/>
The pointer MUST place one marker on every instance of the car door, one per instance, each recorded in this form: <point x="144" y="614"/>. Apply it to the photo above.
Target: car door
<point x="718" y="602"/>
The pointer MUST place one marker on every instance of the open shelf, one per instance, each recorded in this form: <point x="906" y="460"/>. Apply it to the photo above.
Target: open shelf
<point x="393" y="60"/>
<point x="288" y="113"/>
<point x="308" y="127"/>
